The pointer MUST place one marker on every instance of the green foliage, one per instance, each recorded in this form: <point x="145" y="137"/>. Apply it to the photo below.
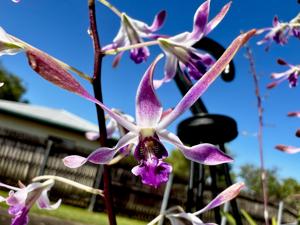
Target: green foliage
<point x="230" y="219"/>
<point x="248" y="217"/>
<point x="278" y="189"/>
<point x="179" y="163"/>
<point x="13" y="88"/>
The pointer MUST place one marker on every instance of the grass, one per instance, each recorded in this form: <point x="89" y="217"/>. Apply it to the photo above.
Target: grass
<point x="74" y="214"/>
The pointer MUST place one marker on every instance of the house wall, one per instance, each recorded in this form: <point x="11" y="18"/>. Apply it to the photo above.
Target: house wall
<point x="43" y="131"/>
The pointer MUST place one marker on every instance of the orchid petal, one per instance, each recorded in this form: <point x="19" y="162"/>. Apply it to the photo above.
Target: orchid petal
<point x="169" y="71"/>
<point x="225" y="196"/>
<point x="217" y="19"/>
<point x="294" y="114"/>
<point x="283" y="74"/>
<point x="288" y="149"/>
<point x="200" y="21"/>
<point x="184" y="219"/>
<point x="158" y="21"/>
<point x="207" y="79"/>
<point x="148" y="107"/>
<point x="52" y="71"/>
<point x="43" y="201"/>
<point x="202" y="153"/>
<point x="92" y="135"/>
<point x="100" y="156"/>
<point x="21" y="218"/>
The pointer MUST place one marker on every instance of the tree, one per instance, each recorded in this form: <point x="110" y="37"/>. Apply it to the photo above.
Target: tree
<point x="13" y="89"/>
<point x="278" y="189"/>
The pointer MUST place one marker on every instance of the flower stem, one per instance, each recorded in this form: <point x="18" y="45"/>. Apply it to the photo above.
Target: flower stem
<point x="98" y="56"/>
<point x="121" y="49"/>
<point x="111" y="7"/>
<point x="250" y="57"/>
<point x="70" y="182"/>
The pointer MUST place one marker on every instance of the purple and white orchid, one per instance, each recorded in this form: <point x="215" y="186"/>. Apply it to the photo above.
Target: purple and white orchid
<point x="20" y="200"/>
<point x="291" y="75"/>
<point x="150" y="127"/>
<point x="182" y="217"/>
<point x="132" y="32"/>
<point x="179" y="48"/>
<point x="281" y="31"/>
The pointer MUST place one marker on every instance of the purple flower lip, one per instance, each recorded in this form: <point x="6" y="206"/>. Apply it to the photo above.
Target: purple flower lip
<point x="132" y="32"/>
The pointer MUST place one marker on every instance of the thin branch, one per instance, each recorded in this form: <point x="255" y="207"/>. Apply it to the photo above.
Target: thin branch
<point x="250" y="57"/>
<point x="98" y="56"/>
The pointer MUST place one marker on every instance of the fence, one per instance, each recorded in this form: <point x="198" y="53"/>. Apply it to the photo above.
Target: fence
<point x="24" y="157"/>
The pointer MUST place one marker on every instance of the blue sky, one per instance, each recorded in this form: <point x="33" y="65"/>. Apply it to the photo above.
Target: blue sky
<point x="60" y="29"/>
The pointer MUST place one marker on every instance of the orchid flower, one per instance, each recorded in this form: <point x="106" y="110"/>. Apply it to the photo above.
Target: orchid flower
<point x="132" y="32"/>
<point x="151" y="125"/>
<point x="150" y="128"/>
<point x="179" y="48"/>
<point x="20" y="200"/>
<point x="281" y="31"/>
<point x="182" y="217"/>
<point x="291" y="75"/>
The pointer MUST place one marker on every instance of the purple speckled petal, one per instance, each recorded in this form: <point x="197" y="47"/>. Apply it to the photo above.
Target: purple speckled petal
<point x="202" y="153"/>
<point x="153" y="172"/>
<point x="288" y="149"/>
<point x="217" y="19"/>
<point x="100" y="156"/>
<point x="52" y="71"/>
<point x="148" y="107"/>
<point x="200" y="21"/>
<point x="184" y="219"/>
<point x="207" y="79"/>
<point x="225" y="196"/>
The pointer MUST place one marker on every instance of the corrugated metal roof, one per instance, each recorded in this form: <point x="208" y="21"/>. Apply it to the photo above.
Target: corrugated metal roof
<point x="56" y="117"/>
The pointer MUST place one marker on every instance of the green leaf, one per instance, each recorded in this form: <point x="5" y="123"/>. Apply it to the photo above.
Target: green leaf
<point x="230" y="219"/>
<point x="248" y="217"/>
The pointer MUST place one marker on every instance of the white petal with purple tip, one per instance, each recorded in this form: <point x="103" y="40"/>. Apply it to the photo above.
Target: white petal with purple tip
<point x="102" y="155"/>
<point x="148" y="107"/>
<point x="203" y="153"/>
<point x="207" y="79"/>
